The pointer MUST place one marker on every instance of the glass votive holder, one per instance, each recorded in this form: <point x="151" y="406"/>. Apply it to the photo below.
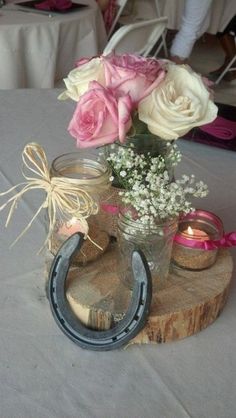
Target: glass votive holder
<point x="191" y="249"/>
<point x="85" y="173"/>
<point x="155" y="241"/>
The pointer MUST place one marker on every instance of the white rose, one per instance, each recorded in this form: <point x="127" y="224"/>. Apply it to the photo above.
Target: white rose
<point x="79" y="78"/>
<point x="180" y="102"/>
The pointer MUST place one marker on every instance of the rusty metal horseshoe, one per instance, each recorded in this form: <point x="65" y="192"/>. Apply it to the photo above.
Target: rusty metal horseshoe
<point x="133" y="321"/>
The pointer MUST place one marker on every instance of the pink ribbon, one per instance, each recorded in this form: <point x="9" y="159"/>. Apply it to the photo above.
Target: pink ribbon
<point x="228" y="240"/>
<point x="220" y="128"/>
<point x="54" y="5"/>
<point x="112" y="209"/>
<point x="115" y="209"/>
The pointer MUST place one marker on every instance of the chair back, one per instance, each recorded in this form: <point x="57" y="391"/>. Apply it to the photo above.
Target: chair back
<point x="140" y="38"/>
<point x="230" y="67"/>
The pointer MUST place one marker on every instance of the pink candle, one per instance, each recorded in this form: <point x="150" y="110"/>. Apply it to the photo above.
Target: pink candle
<point x="71" y="227"/>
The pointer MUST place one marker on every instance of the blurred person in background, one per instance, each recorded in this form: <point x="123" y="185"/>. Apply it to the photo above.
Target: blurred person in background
<point x="193" y="25"/>
<point x="108" y="8"/>
<point x="227" y="43"/>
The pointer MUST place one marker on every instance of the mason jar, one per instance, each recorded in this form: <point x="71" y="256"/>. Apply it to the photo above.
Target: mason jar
<point x="83" y="170"/>
<point x="193" y="247"/>
<point x="155" y="241"/>
<point x="146" y="144"/>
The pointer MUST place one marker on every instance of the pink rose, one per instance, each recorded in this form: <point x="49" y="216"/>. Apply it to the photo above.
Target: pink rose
<point x="133" y="75"/>
<point x="100" y="118"/>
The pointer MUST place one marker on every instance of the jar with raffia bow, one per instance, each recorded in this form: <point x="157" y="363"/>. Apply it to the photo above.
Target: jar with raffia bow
<point x="92" y="177"/>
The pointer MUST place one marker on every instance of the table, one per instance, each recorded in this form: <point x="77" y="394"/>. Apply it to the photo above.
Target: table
<point x="42" y="373"/>
<point x="36" y="50"/>
<point x="218" y="18"/>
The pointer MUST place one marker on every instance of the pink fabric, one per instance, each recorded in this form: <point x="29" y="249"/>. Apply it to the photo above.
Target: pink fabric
<point x="54" y="5"/>
<point x="112" y="209"/>
<point x="109" y="14"/>
<point x="221" y="128"/>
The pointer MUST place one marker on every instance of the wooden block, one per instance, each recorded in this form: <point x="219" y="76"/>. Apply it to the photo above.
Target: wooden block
<point x="189" y="302"/>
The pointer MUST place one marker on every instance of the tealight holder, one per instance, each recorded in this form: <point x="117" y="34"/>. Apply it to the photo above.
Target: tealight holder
<point x="91" y="179"/>
<point x="196" y="241"/>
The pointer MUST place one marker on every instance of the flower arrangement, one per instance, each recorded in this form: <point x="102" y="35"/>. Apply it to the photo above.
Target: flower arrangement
<point x="120" y="95"/>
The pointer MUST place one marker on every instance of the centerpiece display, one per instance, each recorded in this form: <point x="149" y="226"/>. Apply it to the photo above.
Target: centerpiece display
<point x="133" y="109"/>
<point x="116" y="206"/>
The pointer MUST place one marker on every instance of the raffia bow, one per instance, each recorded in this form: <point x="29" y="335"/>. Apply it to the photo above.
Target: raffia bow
<point x="64" y="198"/>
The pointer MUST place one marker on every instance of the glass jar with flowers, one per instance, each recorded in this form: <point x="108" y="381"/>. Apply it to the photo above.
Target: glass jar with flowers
<point x="151" y="205"/>
<point x="128" y="99"/>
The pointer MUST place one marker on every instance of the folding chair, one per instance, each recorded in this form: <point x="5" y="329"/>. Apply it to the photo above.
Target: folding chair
<point x="229" y="68"/>
<point x="140" y="37"/>
<point x="124" y="20"/>
<point x="158" y="9"/>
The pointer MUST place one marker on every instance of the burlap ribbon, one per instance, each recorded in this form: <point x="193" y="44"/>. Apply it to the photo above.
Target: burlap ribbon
<point x="65" y="198"/>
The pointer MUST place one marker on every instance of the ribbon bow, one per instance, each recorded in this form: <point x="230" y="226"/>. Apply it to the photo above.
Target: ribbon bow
<point x="228" y="240"/>
<point x="64" y="197"/>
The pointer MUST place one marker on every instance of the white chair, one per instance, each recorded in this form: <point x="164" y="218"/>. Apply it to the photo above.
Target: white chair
<point x="159" y="14"/>
<point x="158" y="8"/>
<point x="140" y="37"/>
<point x="230" y="67"/>
<point x="126" y="20"/>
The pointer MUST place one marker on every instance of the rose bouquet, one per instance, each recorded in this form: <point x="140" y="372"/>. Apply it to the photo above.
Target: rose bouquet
<point x="118" y="96"/>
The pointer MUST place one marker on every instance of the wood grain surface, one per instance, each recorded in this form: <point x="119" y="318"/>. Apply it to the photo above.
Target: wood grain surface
<point x="189" y="302"/>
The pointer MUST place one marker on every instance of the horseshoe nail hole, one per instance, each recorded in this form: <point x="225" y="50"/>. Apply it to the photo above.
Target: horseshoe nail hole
<point x="114" y="338"/>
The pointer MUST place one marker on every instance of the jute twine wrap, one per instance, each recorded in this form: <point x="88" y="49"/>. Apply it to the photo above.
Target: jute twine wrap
<point x="64" y="196"/>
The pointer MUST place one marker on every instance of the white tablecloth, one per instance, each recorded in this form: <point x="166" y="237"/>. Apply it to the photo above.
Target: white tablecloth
<point x="36" y="50"/>
<point x="220" y="14"/>
<point x="45" y="375"/>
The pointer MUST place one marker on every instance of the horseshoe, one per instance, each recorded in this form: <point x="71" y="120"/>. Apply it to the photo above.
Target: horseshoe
<point x="127" y="328"/>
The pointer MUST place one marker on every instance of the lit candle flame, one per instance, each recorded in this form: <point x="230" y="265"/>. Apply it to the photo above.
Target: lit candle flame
<point x="189" y="230"/>
<point x="73" y="221"/>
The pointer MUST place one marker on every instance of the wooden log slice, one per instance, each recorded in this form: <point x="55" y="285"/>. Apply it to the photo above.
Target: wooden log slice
<point x="189" y="302"/>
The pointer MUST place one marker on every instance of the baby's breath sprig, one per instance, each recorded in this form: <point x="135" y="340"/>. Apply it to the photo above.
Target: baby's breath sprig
<point x="128" y="166"/>
<point x="148" y="186"/>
